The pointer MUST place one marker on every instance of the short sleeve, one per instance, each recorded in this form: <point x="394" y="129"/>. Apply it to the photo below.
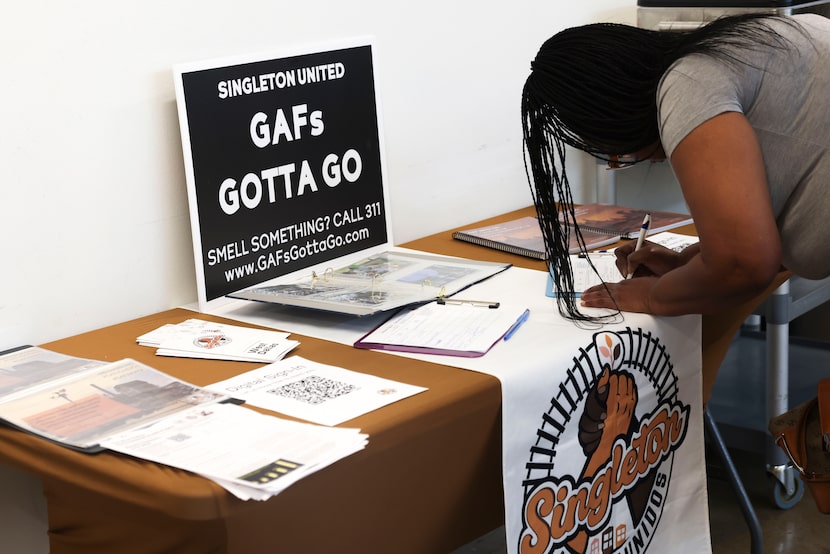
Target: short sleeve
<point x="692" y="91"/>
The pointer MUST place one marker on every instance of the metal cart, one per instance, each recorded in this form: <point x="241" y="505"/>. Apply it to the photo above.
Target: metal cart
<point x="664" y="15"/>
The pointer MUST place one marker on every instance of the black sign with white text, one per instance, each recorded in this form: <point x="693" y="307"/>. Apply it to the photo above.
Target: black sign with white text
<point x="284" y="164"/>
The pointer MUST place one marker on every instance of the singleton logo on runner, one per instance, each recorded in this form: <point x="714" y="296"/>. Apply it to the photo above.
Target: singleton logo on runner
<point x="619" y="402"/>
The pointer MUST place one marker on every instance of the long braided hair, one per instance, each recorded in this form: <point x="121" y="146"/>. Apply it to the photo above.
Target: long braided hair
<point x="594" y="88"/>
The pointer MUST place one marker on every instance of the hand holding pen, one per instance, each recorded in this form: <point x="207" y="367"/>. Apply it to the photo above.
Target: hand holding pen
<point x="640" y="238"/>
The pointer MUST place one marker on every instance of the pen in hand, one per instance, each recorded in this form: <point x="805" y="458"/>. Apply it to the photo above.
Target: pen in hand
<point x="640" y="238"/>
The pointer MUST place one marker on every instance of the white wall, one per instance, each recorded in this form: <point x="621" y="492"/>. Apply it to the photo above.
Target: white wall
<point x="95" y="226"/>
<point x="94" y="222"/>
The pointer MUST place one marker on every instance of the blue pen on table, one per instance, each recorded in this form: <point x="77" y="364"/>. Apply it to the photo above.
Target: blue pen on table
<point x="515" y="327"/>
<point x="640" y="238"/>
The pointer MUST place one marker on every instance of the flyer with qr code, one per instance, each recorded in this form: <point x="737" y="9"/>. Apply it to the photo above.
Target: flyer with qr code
<point x="315" y="392"/>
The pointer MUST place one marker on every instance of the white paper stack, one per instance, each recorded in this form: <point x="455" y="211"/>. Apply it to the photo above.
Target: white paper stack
<point x="196" y="338"/>
<point x="253" y="455"/>
<point x="675" y="241"/>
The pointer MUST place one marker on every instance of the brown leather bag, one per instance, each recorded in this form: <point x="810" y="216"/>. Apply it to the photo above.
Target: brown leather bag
<point x="804" y="435"/>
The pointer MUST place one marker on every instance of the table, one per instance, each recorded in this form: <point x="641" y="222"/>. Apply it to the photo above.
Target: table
<point x="430" y="479"/>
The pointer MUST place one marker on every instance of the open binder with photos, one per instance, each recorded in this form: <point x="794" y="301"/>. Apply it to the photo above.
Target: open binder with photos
<point x="384" y="281"/>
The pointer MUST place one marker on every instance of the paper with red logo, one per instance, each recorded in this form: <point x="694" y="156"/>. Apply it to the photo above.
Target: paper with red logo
<point x="196" y="338"/>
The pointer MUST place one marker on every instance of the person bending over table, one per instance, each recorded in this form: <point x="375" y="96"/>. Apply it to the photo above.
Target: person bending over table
<point x="740" y="108"/>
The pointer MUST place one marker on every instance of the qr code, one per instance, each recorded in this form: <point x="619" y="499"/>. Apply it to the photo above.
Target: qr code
<point x="314" y="389"/>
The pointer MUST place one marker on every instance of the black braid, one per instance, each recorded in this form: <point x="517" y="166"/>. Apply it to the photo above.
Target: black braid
<point x="593" y="88"/>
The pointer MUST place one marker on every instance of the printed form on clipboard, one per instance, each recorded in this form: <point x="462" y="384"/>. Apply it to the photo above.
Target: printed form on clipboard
<point x="465" y="328"/>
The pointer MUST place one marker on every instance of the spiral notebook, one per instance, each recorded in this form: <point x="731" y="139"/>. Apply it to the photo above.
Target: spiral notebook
<point x="523" y="237"/>
<point x="625" y="222"/>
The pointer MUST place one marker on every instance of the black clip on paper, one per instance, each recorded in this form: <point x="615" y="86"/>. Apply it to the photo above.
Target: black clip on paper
<point x="442" y="300"/>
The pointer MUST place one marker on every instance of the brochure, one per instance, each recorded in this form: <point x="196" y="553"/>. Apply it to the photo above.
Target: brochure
<point x="198" y="338"/>
<point x="81" y="403"/>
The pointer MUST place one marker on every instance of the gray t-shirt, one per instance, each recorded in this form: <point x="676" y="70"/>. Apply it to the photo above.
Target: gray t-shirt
<point x="785" y="95"/>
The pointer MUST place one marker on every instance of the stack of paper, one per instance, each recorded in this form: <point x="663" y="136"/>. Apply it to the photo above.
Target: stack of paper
<point x="196" y="338"/>
<point x="253" y="455"/>
<point x="674" y="241"/>
<point x="129" y="407"/>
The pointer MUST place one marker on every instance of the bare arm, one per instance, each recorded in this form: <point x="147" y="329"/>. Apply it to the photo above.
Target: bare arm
<point x="721" y="173"/>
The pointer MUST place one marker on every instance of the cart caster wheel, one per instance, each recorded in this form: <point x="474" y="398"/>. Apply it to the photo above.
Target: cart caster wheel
<point x="786" y="501"/>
